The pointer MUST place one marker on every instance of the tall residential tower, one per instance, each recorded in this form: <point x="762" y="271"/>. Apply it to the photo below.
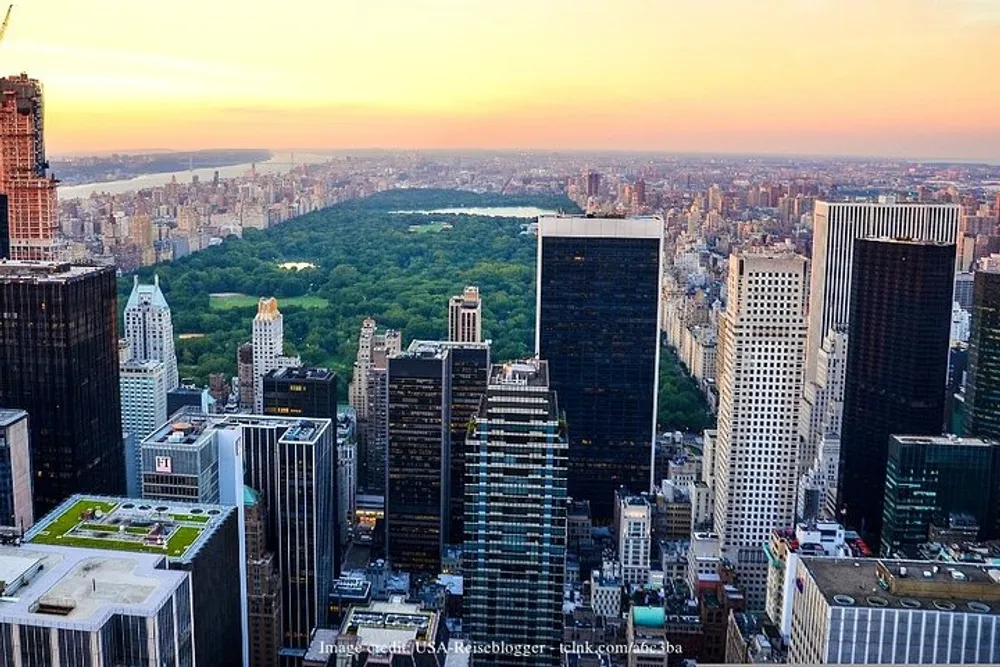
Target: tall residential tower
<point x="465" y="317"/>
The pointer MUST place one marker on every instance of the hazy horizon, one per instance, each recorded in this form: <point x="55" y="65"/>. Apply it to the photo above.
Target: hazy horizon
<point x="898" y="78"/>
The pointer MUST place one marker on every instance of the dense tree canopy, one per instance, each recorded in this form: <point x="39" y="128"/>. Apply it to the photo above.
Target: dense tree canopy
<point x="368" y="262"/>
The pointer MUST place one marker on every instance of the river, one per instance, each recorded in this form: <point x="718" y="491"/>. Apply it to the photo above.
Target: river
<point x="279" y="162"/>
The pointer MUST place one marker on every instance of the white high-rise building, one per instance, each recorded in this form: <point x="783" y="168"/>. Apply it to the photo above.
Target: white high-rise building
<point x="143" y="386"/>
<point x="836" y="226"/>
<point x="357" y="391"/>
<point x="268" y="348"/>
<point x="761" y="366"/>
<point x="465" y="317"/>
<point x="149" y="328"/>
<point x="634" y="528"/>
<point x="823" y="391"/>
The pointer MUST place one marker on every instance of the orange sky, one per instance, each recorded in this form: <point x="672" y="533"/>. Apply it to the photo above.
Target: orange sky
<point x="891" y="77"/>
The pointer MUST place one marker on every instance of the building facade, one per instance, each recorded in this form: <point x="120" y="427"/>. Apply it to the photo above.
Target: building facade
<point x="419" y="421"/>
<point x="301" y="392"/>
<point x="516" y="500"/>
<point x="634" y="528"/>
<point x="268" y="348"/>
<point x="761" y="374"/>
<point x="982" y="388"/>
<point x="59" y="363"/>
<point x="263" y="586"/>
<point x="15" y="470"/>
<point x="897" y="362"/>
<point x="143" y="387"/>
<point x="31" y="209"/>
<point x="930" y="478"/>
<point x="149" y="328"/>
<point x="904" y="612"/>
<point x="465" y="317"/>
<point x="836" y="226"/>
<point x="597" y="325"/>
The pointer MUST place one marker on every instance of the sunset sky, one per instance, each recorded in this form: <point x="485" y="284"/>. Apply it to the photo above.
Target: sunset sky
<point x="918" y="78"/>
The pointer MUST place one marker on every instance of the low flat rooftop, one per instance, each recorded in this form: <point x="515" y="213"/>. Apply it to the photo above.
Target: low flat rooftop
<point x="384" y="625"/>
<point x="38" y="270"/>
<point x="82" y="588"/>
<point x="172" y="529"/>
<point x="854" y="582"/>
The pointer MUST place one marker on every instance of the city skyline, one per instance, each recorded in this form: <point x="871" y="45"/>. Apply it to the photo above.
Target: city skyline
<point x="758" y="77"/>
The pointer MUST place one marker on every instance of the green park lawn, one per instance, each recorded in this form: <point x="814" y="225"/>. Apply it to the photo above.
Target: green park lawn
<point x="232" y="301"/>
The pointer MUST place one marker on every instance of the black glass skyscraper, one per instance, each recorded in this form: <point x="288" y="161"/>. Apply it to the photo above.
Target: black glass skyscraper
<point x="470" y="369"/>
<point x="597" y="325"/>
<point x="59" y="363"/>
<point x="982" y="388"/>
<point x="301" y="392"/>
<point x="930" y="478"/>
<point x="417" y="494"/>
<point x="897" y="360"/>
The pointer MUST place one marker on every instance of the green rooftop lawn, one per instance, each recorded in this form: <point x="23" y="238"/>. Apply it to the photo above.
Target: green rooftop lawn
<point x="57" y="532"/>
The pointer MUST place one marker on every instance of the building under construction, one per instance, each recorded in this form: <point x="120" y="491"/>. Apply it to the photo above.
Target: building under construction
<point x="31" y="212"/>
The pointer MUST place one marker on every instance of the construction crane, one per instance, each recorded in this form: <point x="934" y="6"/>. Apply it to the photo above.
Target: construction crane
<point x="6" y="20"/>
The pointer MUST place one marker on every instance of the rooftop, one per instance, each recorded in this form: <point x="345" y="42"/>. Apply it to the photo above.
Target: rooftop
<point x="386" y="626"/>
<point x="146" y="294"/>
<point x="528" y="372"/>
<point x="45" y="271"/>
<point x="176" y="530"/>
<point x="81" y="588"/>
<point x="425" y="349"/>
<point x="8" y="417"/>
<point x="302" y="373"/>
<point x="942" y="440"/>
<point x="583" y="226"/>
<point x="906" y="584"/>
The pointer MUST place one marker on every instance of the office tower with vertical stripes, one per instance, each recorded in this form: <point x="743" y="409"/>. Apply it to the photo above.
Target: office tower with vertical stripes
<point x="465" y="316"/>
<point x="836" y="225"/>
<point x="514" y="561"/>
<point x="762" y="338"/>
<point x="897" y="362"/>
<point x="597" y="325"/>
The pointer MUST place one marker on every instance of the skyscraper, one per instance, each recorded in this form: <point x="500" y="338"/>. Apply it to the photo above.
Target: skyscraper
<point x="982" y="388"/>
<point x="32" y="214"/>
<point x="897" y="360"/>
<point x="244" y="375"/>
<point x="263" y="586"/>
<point x="268" y="348"/>
<point x="514" y="562"/>
<point x="59" y="363"/>
<point x="930" y="478"/>
<point x="597" y="326"/>
<point x="634" y="539"/>
<point x="762" y="336"/>
<point x="465" y="317"/>
<point x="301" y="392"/>
<point x="470" y="370"/>
<point x="150" y="330"/>
<point x="143" y="389"/>
<point x="368" y="395"/>
<point x="836" y="225"/>
<point x="417" y="493"/>
<point x="290" y="461"/>
<point x="15" y="470"/>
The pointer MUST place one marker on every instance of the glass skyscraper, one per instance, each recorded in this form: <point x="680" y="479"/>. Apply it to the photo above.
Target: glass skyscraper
<point x="417" y="493"/>
<point x="59" y="363"/>
<point x="897" y="361"/>
<point x="597" y="326"/>
<point x="928" y="478"/>
<point x="514" y="560"/>
<point x="982" y="389"/>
